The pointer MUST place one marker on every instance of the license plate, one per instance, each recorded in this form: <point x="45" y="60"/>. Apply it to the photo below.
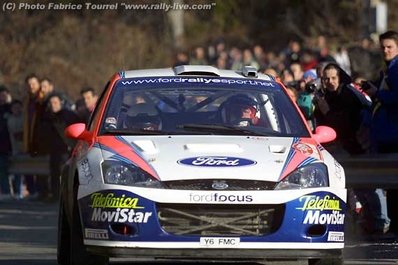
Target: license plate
<point x="219" y="242"/>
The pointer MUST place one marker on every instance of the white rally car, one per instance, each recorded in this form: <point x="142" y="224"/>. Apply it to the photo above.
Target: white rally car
<point x="194" y="162"/>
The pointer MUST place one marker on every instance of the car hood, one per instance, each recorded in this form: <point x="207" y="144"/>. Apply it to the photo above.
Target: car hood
<point x="213" y="157"/>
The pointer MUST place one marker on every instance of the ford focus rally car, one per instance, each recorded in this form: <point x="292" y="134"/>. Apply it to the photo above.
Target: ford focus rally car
<point x="194" y="162"/>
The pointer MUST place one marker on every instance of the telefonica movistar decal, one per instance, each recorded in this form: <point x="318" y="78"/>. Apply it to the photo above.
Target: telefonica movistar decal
<point x="122" y="209"/>
<point x="316" y="208"/>
<point x="216" y="161"/>
<point x="312" y="202"/>
<point x="99" y="200"/>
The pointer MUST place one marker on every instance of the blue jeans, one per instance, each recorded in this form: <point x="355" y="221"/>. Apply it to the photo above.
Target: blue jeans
<point x="383" y="204"/>
<point x="4" y="184"/>
<point x="375" y="205"/>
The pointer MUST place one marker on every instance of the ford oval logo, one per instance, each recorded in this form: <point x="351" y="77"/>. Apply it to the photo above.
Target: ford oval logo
<point x="219" y="185"/>
<point x="216" y="161"/>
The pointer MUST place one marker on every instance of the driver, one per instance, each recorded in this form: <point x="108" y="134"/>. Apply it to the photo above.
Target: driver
<point x="240" y="110"/>
<point x="143" y="116"/>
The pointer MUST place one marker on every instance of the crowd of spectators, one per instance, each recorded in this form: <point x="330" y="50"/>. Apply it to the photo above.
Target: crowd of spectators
<point x="338" y="88"/>
<point x="34" y="126"/>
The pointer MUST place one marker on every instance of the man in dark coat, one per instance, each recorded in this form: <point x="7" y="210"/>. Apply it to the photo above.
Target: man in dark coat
<point x="58" y="118"/>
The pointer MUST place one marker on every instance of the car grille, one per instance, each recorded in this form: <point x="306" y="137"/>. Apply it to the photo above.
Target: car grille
<point x="220" y="220"/>
<point x="211" y="184"/>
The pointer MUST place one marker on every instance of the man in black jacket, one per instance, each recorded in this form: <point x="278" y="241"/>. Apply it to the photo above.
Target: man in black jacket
<point x="340" y="108"/>
<point x="343" y="110"/>
<point x="59" y="118"/>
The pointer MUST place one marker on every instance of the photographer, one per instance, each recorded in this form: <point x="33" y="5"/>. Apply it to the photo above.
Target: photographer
<point x="343" y="108"/>
<point x="340" y="108"/>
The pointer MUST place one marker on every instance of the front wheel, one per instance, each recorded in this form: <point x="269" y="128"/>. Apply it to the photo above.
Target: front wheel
<point x="71" y="250"/>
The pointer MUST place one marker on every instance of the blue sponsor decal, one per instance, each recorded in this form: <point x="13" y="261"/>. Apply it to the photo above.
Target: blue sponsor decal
<point x="216" y="161"/>
<point x="104" y="210"/>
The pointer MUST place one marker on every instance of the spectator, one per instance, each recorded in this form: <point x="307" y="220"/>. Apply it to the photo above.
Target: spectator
<point x="199" y="57"/>
<point x="321" y="51"/>
<point x="339" y="108"/>
<point x="342" y="109"/>
<point x="5" y="145"/>
<point x="222" y="62"/>
<point x="292" y="92"/>
<point x="271" y="71"/>
<point x="248" y="59"/>
<point x="385" y="112"/>
<point x="220" y="49"/>
<point x="297" y="71"/>
<point x="90" y="100"/>
<point x="293" y="53"/>
<point x="34" y="132"/>
<point x="308" y="60"/>
<point x="182" y="58"/>
<point x="46" y="87"/>
<point x="287" y="77"/>
<point x="308" y="87"/>
<point x="59" y="118"/>
<point x="15" y="128"/>
<point x="259" y="56"/>
<point x="236" y="56"/>
<point x="33" y="112"/>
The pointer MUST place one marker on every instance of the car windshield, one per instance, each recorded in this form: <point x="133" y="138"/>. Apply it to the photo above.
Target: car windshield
<point x="198" y="105"/>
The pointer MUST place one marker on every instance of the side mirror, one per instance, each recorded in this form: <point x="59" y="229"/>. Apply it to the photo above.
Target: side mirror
<point x="324" y="134"/>
<point x="78" y="131"/>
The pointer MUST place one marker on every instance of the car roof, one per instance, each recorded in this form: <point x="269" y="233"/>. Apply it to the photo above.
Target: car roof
<point x="198" y="70"/>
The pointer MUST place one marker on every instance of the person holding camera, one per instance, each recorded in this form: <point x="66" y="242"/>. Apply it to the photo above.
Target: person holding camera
<point x="340" y="108"/>
<point x="345" y="109"/>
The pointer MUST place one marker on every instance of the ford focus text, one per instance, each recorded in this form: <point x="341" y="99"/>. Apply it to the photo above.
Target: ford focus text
<point x="194" y="162"/>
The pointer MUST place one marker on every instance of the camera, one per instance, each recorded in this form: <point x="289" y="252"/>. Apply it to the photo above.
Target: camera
<point x="314" y="87"/>
<point x="365" y="85"/>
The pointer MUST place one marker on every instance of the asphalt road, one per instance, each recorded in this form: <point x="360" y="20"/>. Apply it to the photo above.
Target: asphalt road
<point x="28" y="232"/>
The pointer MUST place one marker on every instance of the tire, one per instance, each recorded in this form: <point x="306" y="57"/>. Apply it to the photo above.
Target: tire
<point x="71" y="250"/>
<point x="63" y="242"/>
<point x="334" y="261"/>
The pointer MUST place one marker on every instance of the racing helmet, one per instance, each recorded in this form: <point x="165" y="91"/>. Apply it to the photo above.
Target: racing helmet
<point x="239" y="110"/>
<point x="143" y="116"/>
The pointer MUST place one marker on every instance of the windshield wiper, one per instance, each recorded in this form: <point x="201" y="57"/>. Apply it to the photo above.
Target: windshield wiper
<point x="220" y="128"/>
<point x="133" y="132"/>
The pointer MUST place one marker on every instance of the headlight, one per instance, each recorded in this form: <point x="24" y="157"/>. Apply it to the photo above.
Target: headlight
<point x="310" y="176"/>
<point x="120" y="173"/>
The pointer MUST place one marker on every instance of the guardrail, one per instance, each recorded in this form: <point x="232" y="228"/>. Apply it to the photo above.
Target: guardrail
<point x="365" y="171"/>
<point x="27" y="165"/>
<point x="371" y="171"/>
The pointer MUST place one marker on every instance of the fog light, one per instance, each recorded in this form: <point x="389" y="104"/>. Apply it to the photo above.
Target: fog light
<point x="123" y="229"/>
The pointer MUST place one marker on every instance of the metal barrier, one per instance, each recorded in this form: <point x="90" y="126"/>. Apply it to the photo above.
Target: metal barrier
<point x="365" y="171"/>
<point x="371" y="171"/>
<point x="27" y="165"/>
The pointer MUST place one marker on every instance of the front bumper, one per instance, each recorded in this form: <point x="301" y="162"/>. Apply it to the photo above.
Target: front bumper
<point x="217" y="254"/>
<point x="125" y="222"/>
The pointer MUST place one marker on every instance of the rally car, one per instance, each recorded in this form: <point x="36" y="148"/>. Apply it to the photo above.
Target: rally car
<point x="194" y="162"/>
